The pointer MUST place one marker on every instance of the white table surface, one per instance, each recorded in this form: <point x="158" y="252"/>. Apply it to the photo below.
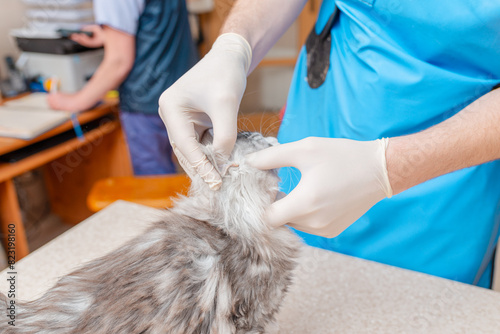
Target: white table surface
<point x="332" y="293"/>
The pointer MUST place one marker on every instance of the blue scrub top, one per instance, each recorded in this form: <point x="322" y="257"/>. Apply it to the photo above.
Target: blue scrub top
<point x="398" y="67"/>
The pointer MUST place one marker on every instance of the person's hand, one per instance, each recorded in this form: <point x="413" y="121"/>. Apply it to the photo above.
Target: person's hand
<point x="66" y="102"/>
<point x="97" y="39"/>
<point x="207" y="96"/>
<point x="341" y="180"/>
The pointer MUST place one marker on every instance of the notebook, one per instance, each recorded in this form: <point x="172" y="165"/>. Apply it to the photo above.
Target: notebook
<point x="33" y="100"/>
<point x="29" y="117"/>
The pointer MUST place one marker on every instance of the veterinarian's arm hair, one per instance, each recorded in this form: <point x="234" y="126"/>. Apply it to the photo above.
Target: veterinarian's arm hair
<point x="262" y="23"/>
<point x="469" y="138"/>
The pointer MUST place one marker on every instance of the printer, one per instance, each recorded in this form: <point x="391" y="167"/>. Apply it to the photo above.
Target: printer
<point x="50" y="54"/>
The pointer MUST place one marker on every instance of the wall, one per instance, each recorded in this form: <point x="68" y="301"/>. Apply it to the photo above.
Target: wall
<point x="11" y="16"/>
<point x="267" y="86"/>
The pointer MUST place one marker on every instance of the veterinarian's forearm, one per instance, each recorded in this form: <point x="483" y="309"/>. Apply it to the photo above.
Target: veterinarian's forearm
<point x="469" y="138"/>
<point x="262" y="23"/>
<point x="118" y="60"/>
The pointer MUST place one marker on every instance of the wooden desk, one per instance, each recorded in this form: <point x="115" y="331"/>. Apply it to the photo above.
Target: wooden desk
<point x="69" y="169"/>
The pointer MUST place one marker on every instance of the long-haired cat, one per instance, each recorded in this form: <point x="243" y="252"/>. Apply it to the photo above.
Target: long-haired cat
<point x="209" y="266"/>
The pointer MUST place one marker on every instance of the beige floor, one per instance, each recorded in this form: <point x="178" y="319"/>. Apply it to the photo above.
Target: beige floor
<point x="46" y="230"/>
<point x="40" y="234"/>
<point x="40" y="224"/>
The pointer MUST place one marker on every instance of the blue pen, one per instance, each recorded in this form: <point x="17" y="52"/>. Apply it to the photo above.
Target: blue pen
<point x="77" y="127"/>
<point x="54" y="83"/>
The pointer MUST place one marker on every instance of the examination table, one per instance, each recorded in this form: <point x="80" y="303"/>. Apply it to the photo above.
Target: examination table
<point x="332" y="293"/>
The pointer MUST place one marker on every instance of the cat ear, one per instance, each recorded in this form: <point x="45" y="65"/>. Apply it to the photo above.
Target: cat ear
<point x="207" y="137"/>
<point x="273" y="141"/>
<point x="220" y="163"/>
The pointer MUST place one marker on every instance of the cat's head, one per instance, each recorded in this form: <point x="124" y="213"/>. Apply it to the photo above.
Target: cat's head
<point x="238" y="206"/>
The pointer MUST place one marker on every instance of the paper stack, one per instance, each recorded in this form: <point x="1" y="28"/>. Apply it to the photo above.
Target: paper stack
<point x="29" y="117"/>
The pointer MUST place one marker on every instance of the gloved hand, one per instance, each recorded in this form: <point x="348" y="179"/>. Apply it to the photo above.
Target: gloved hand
<point x="341" y="180"/>
<point x="207" y="96"/>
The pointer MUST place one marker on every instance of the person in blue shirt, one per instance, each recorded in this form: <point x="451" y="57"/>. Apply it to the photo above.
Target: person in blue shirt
<point x="148" y="46"/>
<point x="392" y="120"/>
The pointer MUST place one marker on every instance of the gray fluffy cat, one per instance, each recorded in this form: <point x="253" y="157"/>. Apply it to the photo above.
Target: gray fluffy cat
<point x="209" y="266"/>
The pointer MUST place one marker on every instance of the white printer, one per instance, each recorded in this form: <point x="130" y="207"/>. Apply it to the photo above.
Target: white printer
<point x="49" y="54"/>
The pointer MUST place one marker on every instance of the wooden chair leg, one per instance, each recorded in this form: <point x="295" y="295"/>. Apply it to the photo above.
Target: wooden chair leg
<point x="10" y="214"/>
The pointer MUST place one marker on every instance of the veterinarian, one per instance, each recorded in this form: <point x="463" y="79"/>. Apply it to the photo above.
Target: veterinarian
<point x="148" y="46"/>
<point x="395" y="101"/>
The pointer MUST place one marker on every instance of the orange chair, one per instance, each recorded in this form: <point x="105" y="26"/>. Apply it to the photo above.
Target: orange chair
<point x="155" y="191"/>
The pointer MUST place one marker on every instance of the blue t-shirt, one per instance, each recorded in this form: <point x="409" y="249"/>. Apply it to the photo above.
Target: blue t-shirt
<point x="398" y="67"/>
<point x="164" y="47"/>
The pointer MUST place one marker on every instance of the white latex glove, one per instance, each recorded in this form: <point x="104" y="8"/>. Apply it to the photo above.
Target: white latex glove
<point x="341" y="180"/>
<point x="207" y="96"/>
